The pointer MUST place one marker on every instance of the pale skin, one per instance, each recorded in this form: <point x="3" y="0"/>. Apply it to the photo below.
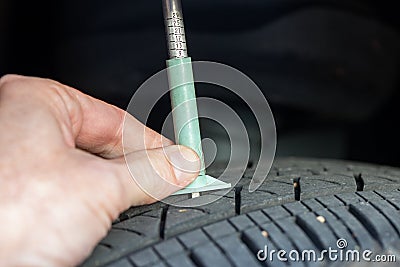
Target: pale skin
<point x="63" y="174"/>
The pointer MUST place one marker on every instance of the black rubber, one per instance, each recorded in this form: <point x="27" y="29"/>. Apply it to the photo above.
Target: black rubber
<point x="303" y="204"/>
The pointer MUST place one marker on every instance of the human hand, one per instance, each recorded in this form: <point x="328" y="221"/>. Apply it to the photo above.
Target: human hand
<point x="63" y="175"/>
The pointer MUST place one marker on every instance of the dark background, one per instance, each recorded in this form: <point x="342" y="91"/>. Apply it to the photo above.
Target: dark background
<point x="330" y="69"/>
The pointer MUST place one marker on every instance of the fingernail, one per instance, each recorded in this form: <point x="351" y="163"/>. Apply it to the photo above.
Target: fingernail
<point x="185" y="162"/>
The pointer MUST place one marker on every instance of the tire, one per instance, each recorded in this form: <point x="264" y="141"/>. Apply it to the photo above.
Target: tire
<point x="303" y="204"/>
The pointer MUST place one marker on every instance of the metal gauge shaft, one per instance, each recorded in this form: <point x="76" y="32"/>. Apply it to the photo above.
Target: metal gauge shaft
<point x="175" y="29"/>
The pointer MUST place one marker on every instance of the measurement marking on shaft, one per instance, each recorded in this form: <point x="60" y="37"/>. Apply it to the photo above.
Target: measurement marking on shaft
<point x="177" y="34"/>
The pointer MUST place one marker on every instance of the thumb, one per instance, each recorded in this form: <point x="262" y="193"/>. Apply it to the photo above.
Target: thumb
<point x="156" y="173"/>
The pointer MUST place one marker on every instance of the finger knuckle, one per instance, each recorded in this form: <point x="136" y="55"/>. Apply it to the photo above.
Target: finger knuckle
<point x="9" y="78"/>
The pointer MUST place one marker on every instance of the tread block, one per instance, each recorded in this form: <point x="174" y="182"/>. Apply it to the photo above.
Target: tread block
<point x="98" y="256"/>
<point x="209" y="256"/>
<point x="389" y="212"/>
<point x="313" y="204"/>
<point x="179" y="220"/>
<point x="169" y="248"/>
<point x="144" y="257"/>
<point x="219" y="229"/>
<point x="391" y="195"/>
<point x="180" y="260"/>
<point x="319" y="232"/>
<point x="325" y="181"/>
<point x="241" y="222"/>
<point x="297" y="236"/>
<point x="158" y="264"/>
<point x="294" y="172"/>
<point x="237" y="251"/>
<point x="329" y="201"/>
<point x="280" y="240"/>
<point x="375" y="177"/>
<point x="120" y="263"/>
<point x="255" y="241"/>
<point x="137" y="211"/>
<point x="349" y="198"/>
<point x="368" y="195"/>
<point x="358" y="231"/>
<point x="338" y="228"/>
<point x="296" y="208"/>
<point x="193" y="238"/>
<point x="379" y="226"/>
<point x="258" y="217"/>
<point x="260" y="199"/>
<point x="120" y="238"/>
<point x="276" y="212"/>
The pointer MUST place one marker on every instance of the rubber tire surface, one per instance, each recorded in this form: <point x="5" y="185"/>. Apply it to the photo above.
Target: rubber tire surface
<point x="303" y="204"/>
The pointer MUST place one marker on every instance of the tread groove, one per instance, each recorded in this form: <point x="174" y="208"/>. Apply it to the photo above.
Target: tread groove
<point x="163" y="220"/>
<point x="254" y="248"/>
<point x="326" y="181"/>
<point x="341" y="200"/>
<point x="359" y="182"/>
<point x="285" y="208"/>
<point x="382" y="213"/>
<point x="290" y="239"/>
<point x="387" y="218"/>
<point x="306" y="229"/>
<point x="238" y="199"/>
<point x="387" y="200"/>
<point x="218" y="246"/>
<point x="267" y="191"/>
<point x="129" y="230"/>
<point x="368" y="223"/>
<point x="108" y="246"/>
<point x="306" y="206"/>
<point x="377" y="193"/>
<point x="297" y="188"/>
<point x="354" y="235"/>
<point x="322" y="203"/>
